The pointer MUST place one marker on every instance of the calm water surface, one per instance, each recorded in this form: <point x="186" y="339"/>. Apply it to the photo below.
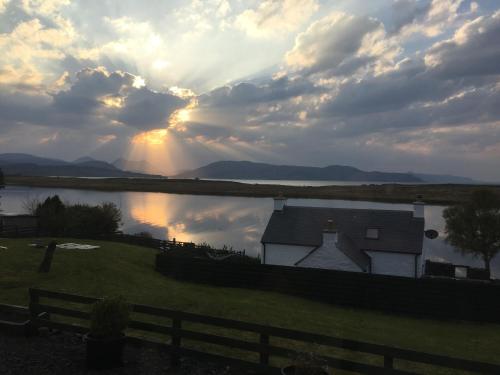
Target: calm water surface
<point x="234" y="221"/>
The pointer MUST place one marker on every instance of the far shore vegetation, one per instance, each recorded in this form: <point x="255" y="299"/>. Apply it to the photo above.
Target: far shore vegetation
<point x="394" y="193"/>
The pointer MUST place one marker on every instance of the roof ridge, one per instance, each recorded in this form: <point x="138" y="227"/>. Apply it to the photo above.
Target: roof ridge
<point x="350" y="209"/>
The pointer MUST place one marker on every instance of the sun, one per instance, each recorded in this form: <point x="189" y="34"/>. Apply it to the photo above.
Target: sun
<point x="183" y="115"/>
<point x="153" y="137"/>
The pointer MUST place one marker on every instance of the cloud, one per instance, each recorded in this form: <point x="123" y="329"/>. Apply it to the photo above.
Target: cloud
<point x="43" y="7"/>
<point x="146" y="109"/>
<point x="472" y="51"/>
<point x="419" y="84"/>
<point x="3" y="5"/>
<point x="96" y="99"/>
<point x="275" y="18"/>
<point x="430" y="18"/>
<point x="247" y="94"/>
<point x="28" y="47"/>
<point x="405" y="12"/>
<point x="340" y="44"/>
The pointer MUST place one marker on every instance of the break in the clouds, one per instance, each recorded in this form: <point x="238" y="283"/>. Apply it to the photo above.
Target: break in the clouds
<point x="389" y="85"/>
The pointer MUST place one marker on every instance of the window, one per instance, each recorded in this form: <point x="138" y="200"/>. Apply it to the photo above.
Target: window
<point x="372" y="233"/>
<point x="460" y="272"/>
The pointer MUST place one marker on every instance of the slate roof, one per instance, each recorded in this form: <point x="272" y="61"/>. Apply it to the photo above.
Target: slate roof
<point x="399" y="231"/>
<point x="349" y="248"/>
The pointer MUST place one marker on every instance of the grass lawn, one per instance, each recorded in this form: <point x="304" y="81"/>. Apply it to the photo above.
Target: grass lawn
<point x="129" y="270"/>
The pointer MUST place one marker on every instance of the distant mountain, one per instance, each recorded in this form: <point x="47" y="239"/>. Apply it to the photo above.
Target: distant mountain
<point x="135" y="166"/>
<point x="260" y="171"/>
<point x="28" y="159"/>
<point x="30" y="165"/>
<point x="97" y="164"/>
<point x="83" y="159"/>
<point x="445" y="179"/>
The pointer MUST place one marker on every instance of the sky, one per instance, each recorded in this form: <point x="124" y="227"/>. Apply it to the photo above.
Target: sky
<point x="390" y="85"/>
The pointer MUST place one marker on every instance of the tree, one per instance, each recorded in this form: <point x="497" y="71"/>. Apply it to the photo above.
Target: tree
<point x="474" y="226"/>
<point x="85" y="220"/>
<point x="51" y="216"/>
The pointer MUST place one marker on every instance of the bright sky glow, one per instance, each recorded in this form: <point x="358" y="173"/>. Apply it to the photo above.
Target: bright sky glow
<point x="391" y="85"/>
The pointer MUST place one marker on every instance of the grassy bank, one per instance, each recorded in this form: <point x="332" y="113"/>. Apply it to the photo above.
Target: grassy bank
<point x="128" y="270"/>
<point x="433" y="194"/>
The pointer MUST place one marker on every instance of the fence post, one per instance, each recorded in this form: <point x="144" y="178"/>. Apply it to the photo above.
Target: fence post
<point x="176" y="342"/>
<point x="34" y="312"/>
<point x="34" y="300"/>
<point x="388" y="362"/>
<point x="264" y="356"/>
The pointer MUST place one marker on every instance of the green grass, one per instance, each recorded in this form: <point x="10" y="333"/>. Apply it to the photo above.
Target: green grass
<point x="129" y="270"/>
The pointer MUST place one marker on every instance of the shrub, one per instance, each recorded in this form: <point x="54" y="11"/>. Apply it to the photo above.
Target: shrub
<point x="51" y="215"/>
<point x="109" y="317"/>
<point x="144" y="234"/>
<point x="56" y="218"/>
<point x="85" y="220"/>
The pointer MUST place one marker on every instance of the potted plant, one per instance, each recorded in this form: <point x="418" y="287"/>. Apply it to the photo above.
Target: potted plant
<point x="105" y="341"/>
<point x="306" y="364"/>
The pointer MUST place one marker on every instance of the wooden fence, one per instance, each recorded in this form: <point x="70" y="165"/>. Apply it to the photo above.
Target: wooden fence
<point x="441" y="298"/>
<point x="15" y="231"/>
<point x="263" y="347"/>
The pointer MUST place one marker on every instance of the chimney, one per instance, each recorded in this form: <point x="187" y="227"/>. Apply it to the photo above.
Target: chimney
<point x="279" y="203"/>
<point x="330" y="233"/>
<point x="418" y="208"/>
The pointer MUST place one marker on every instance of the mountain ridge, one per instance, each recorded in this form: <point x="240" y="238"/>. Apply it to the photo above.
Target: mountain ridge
<point x="263" y="171"/>
<point x="19" y="164"/>
<point x="246" y="170"/>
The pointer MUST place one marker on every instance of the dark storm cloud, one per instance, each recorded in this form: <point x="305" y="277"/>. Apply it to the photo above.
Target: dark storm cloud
<point x="145" y="109"/>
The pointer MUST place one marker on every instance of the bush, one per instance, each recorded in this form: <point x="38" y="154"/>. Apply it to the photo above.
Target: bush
<point x="57" y="219"/>
<point x="109" y="317"/>
<point x="144" y="234"/>
<point x="51" y="216"/>
<point x="85" y="220"/>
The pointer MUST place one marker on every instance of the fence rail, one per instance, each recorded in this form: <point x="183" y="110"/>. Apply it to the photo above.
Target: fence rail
<point x="437" y="298"/>
<point x="16" y="231"/>
<point x="263" y="347"/>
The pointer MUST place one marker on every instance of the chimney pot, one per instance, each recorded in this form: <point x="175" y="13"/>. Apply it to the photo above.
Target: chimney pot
<point x="419" y="207"/>
<point x="279" y="202"/>
<point x="330" y="226"/>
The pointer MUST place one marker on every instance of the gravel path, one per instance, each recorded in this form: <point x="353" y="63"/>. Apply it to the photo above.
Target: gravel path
<point x="64" y="353"/>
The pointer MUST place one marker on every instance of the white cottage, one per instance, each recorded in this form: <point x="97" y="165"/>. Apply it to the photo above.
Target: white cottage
<point x="386" y="242"/>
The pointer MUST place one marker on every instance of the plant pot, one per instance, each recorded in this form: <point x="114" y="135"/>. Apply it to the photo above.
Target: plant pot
<point x="104" y="353"/>
<point x="290" y="370"/>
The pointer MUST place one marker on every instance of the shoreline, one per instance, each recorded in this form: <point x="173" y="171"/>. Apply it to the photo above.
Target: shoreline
<point x="438" y="194"/>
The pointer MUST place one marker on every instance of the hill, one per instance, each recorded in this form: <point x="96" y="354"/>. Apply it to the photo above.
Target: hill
<point x="445" y="179"/>
<point x="30" y="165"/>
<point x="139" y="166"/>
<point x="15" y="158"/>
<point x="247" y="170"/>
